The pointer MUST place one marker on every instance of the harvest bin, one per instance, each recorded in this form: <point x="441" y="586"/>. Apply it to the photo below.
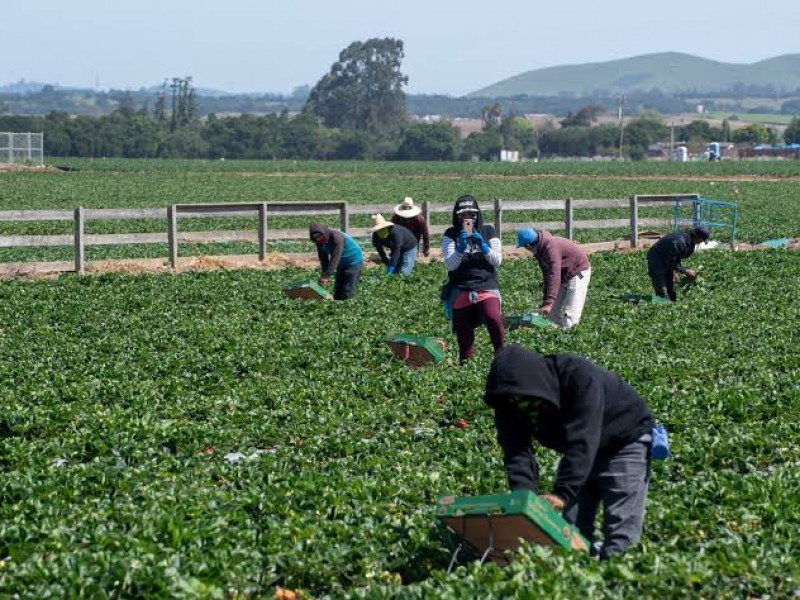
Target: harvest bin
<point x="417" y="350"/>
<point x="307" y="290"/>
<point x="494" y="524"/>
<point x="527" y="320"/>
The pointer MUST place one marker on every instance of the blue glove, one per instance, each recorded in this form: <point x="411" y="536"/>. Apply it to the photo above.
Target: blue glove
<point x="461" y="242"/>
<point x="477" y="238"/>
<point x="389" y="269"/>
<point x="660" y="446"/>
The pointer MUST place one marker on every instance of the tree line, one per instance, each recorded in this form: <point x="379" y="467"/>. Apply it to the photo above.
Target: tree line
<point x="358" y="110"/>
<point x="137" y="134"/>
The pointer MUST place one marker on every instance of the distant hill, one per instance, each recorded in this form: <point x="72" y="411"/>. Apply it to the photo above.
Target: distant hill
<point x="670" y="72"/>
<point x="23" y="87"/>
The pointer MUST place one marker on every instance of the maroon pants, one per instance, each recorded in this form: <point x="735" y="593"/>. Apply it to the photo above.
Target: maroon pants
<point x="466" y="319"/>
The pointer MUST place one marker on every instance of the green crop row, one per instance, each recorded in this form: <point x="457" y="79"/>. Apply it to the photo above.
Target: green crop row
<point x="750" y="167"/>
<point x="201" y="435"/>
<point x="768" y="205"/>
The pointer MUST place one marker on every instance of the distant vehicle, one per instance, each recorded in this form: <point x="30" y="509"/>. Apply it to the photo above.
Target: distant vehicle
<point x="712" y="148"/>
<point x="680" y="154"/>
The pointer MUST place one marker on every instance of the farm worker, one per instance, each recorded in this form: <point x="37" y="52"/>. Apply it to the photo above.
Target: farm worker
<point x="339" y="254"/>
<point x="665" y="256"/>
<point x="401" y="242"/>
<point x="598" y="424"/>
<point x="472" y="252"/>
<point x="410" y="216"/>
<point x="565" y="272"/>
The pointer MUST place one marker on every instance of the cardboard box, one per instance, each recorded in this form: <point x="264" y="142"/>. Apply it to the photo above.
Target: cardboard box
<point x="497" y="523"/>
<point x="307" y="290"/>
<point x="527" y="320"/>
<point x="417" y="350"/>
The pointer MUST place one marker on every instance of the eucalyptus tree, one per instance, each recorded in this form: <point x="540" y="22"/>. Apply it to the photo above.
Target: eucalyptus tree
<point x="363" y="91"/>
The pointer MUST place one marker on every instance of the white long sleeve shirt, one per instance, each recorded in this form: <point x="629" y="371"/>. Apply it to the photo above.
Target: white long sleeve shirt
<point x="453" y="258"/>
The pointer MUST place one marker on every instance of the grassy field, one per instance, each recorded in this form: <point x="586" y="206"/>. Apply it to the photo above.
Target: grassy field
<point x="202" y="436"/>
<point x="764" y="191"/>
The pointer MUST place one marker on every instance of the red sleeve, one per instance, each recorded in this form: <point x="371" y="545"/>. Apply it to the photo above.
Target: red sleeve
<point x="550" y="262"/>
<point x="426" y="238"/>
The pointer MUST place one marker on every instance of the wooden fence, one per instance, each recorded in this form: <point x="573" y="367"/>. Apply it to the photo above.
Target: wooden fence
<point x="263" y="210"/>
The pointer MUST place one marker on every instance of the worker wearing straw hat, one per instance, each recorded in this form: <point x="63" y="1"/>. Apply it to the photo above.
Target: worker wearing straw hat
<point x="409" y="215"/>
<point x="400" y="241"/>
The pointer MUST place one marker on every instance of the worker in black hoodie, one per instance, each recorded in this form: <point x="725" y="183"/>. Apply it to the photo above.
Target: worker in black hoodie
<point x="594" y="419"/>
<point x="665" y="256"/>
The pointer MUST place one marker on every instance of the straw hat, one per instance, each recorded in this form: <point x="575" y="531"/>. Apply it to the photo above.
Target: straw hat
<point x="378" y="223"/>
<point x="407" y="208"/>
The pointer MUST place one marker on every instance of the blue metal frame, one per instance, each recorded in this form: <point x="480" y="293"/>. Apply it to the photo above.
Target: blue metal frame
<point x="708" y="213"/>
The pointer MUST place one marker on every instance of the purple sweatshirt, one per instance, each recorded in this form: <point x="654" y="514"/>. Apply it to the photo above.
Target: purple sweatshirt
<point x="560" y="260"/>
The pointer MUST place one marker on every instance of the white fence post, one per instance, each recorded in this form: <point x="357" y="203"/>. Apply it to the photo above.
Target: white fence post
<point x="172" y="235"/>
<point x="262" y="231"/>
<point x="79" y="220"/>
<point x="569" y="218"/>
<point x="344" y="218"/>
<point x="498" y="217"/>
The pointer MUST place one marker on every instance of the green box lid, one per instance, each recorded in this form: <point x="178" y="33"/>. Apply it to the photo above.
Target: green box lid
<point x="417" y="344"/>
<point x="527" y="320"/>
<point x="497" y="523"/>
<point x="308" y="290"/>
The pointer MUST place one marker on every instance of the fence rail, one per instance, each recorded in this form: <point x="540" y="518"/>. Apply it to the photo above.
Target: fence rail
<point x="263" y="210"/>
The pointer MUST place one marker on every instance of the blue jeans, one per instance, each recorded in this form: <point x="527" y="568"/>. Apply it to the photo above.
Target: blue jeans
<point x="407" y="261"/>
<point x="619" y="481"/>
<point x="346" y="281"/>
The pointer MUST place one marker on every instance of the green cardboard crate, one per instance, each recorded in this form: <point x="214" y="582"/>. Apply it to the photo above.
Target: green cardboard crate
<point x="307" y="290"/>
<point x="645" y="298"/>
<point x="495" y="524"/>
<point x="417" y="350"/>
<point x="527" y="320"/>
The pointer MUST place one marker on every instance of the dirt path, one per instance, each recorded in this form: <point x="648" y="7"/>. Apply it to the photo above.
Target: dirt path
<point x="273" y="261"/>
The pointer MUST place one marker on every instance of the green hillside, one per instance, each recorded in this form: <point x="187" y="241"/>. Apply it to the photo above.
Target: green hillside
<point x="670" y="72"/>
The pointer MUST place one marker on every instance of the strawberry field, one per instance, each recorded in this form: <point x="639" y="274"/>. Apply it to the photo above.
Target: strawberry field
<point x="202" y="436"/>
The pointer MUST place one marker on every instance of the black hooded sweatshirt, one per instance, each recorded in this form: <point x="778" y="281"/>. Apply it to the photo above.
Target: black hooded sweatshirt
<point x="584" y="410"/>
<point x="668" y="252"/>
<point x="474" y="272"/>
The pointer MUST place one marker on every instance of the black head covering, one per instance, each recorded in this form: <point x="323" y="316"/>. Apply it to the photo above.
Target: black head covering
<point x="314" y="228"/>
<point x="701" y="232"/>
<point x="467" y="203"/>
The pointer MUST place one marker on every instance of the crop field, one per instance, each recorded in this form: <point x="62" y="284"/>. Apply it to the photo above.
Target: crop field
<point x="202" y="436"/>
<point x="764" y="191"/>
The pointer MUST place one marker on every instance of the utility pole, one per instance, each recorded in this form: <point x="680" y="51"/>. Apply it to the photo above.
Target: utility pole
<point x="671" y="140"/>
<point x="621" y="122"/>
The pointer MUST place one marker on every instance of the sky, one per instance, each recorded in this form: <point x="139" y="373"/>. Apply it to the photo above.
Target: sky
<point x="451" y="48"/>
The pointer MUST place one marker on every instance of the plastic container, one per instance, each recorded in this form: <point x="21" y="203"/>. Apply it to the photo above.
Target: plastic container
<point x="417" y="350"/>
<point x="307" y="290"/>
<point x="527" y="320"/>
<point x="494" y="525"/>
